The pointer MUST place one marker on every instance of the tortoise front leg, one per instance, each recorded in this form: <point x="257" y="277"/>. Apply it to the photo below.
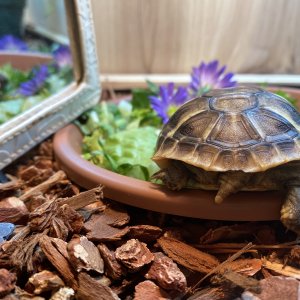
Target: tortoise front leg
<point x="175" y="176"/>
<point x="290" y="211"/>
<point x="230" y="183"/>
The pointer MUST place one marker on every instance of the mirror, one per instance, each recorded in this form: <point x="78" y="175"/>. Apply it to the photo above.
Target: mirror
<point x="48" y="70"/>
<point x="35" y="56"/>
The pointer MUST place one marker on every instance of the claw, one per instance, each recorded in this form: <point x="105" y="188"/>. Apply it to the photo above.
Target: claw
<point x="159" y="175"/>
<point x="174" y="179"/>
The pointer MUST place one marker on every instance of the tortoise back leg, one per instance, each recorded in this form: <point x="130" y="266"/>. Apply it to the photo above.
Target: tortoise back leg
<point x="290" y="211"/>
<point x="175" y="176"/>
<point x="230" y="183"/>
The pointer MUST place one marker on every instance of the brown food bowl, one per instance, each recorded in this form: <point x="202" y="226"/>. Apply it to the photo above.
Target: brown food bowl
<point x="243" y="206"/>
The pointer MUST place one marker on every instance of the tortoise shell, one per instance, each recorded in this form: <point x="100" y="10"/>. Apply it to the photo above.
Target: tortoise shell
<point x="242" y="128"/>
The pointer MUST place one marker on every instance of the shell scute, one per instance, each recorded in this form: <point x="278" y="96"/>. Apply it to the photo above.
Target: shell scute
<point x="196" y="126"/>
<point x="233" y="131"/>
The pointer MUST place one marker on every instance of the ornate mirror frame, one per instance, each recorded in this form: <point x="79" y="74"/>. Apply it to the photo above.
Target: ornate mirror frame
<point x="23" y="132"/>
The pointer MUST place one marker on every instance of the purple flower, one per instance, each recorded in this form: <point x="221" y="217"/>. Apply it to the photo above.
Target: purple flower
<point x="9" y="42"/>
<point x="168" y="100"/>
<point x="33" y="85"/>
<point x="62" y="56"/>
<point x="207" y="76"/>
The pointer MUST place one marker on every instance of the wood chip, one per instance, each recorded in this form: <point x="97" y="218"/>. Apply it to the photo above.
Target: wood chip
<point x="245" y="282"/>
<point x="228" y="233"/>
<point x="275" y="288"/>
<point x="69" y="190"/>
<point x="71" y="218"/>
<point x="281" y="269"/>
<point x="12" y="185"/>
<point x="58" y="261"/>
<point x="7" y="282"/>
<point x="13" y="210"/>
<point x="63" y="293"/>
<point x="45" y="281"/>
<point x="24" y="295"/>
<point x="44" y="186"/>
<point x="134" y="255"/>
<point x="60" y="220"/>
<point x="148" y="290"/>
<point x="45" y="149"/>
<point x="85" y="198"/>
<point x="15" y="297"/>
<point x="113" y="268"/>
<point x="84" y="255"/>
<point x="127" y="284"/>
<point x="61" y="247"/>
<point x="36" y="201"/>
<point x="22" y="256"/>
<point x="99" y="231"/>
<point x="91" y="289"/>
<point x="188" y="256"/>
<point x="29" y="172"/>
<point x="116" y="216"/>
<point x="145" y="233"/>
<point x="166" y="273"/>
<point x="215" y="293"/>
<point x="42" y="217"/>
<point x="34" y="175"/>
<point x="243" y="266"/>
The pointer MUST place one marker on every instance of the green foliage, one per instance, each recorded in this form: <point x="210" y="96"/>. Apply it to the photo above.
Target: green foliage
<point x="121" y="138"/>
<point x="12" y="103"/>
<point x="14" y="79"/>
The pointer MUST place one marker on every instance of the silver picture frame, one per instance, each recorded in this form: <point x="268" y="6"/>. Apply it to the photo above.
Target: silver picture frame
<point x="23" y="132"/>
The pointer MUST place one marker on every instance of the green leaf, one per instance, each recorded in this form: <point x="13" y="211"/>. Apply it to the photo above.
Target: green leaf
<point x="9" y="109"/>
<point x="133" y="147"/>
<point x="125" y="108"/>
<point x="154" y="88"/>
<point x="135" y="171"/>
<point x="287" y="96"/>
<point x="140" y="98"/>
<point x="31" y="101"/>
<point x="14" y="79"/>
<point x="55" y="83"/>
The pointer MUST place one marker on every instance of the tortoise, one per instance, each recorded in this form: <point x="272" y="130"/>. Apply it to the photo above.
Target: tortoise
<point x="233" y="139"/>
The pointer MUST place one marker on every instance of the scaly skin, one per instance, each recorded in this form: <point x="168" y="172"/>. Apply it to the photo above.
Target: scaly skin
<point x="175" y="177"/>
<point x="290" y="210"/>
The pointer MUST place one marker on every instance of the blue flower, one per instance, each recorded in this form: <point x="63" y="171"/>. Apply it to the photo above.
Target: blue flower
<point x="37" y="81"/>
<point x="168" y="100"/>
<point x="62" y="56"/>
<point x="206" y="77"/>
<point x="9" y="42"/>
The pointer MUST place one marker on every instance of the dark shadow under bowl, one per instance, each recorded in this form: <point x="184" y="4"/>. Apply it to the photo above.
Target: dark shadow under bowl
<point x="243" y="206"/>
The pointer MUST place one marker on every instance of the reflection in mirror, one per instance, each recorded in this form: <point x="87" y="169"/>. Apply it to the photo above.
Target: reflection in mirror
<point x="35" y="56"/>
